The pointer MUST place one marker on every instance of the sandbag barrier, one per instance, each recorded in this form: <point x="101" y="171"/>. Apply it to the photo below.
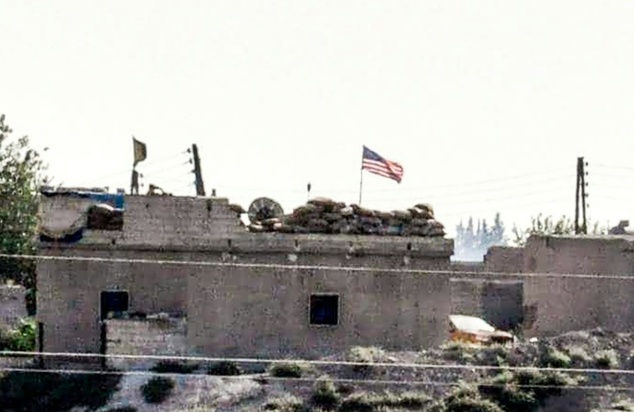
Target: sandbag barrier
<point x="327" y="216"/>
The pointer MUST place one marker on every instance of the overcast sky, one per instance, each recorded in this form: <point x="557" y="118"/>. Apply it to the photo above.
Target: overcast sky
<point x="486" y="104"/>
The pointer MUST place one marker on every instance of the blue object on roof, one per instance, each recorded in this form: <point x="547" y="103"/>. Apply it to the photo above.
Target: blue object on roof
<point x="116" y="200"/>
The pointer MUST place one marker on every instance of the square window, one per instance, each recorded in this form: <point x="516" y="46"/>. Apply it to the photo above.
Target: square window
<point x="324" y="310"/>
<point x="114" y="303"/>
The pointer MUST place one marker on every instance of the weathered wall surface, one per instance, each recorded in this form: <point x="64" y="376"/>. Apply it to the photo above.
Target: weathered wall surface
<point x="69" y="294"/>
<point x="565" y="304"/>
<point x="166" y="337"/>
<point x="150" y="220"/>
<point x="613" y="255"/>
<point x="12" y="304"/>
<point x="395" y="311"/>
<point x="504" y="259"/>
<point x="69" y="291"/>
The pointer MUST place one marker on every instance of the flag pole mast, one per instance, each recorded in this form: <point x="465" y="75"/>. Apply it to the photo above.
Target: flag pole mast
<point x="361" y="183"/>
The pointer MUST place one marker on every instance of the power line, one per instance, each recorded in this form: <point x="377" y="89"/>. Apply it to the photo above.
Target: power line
<point x="312" y="267"/>
<point x="404" y="365"/>
<point x="434" y="383"/>
<point x="451" y="186"/>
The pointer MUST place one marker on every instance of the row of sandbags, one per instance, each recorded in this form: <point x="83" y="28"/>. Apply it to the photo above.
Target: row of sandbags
<point x="324" y="215"/>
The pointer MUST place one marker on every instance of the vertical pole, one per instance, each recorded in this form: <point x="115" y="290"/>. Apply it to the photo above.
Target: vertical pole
<point x="40" y="343"/>
<point x="132" y="181"/>
<point x="200" y="187"/>
<point x="308" y="187"/>
<point x="584" y="227"/>
<point x="579" y="163"/>
<point x="361" y="186"/>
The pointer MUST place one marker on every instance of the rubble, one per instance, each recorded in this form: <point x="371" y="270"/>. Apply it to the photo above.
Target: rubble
<point x="323" y="215"/>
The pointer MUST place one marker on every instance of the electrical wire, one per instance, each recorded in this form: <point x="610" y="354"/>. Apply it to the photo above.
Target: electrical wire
<point x="346" y="269"/>
<point x="405" y="365"/>
<point x="448" y="187"/>
<point x="432" y="383"/>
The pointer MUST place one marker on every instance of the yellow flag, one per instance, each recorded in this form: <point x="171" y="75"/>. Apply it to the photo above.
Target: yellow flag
<point x="140" y="151"/>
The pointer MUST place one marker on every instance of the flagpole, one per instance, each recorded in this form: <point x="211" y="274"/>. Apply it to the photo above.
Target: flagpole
<point x="361" y="186"/>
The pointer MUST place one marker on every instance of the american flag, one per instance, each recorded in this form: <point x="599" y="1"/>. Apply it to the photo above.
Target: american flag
<point x="374" y="163"/>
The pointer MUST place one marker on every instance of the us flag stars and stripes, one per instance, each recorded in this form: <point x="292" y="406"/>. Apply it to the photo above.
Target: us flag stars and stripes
<point x="375" y="163"/>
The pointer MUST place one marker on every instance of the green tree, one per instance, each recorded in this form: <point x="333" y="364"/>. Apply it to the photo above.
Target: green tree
<point x="547" y="225"/>
<point x="21" y="173"/>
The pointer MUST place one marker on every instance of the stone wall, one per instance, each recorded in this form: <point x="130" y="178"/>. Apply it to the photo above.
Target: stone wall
<point x="243" y="311"/>
<point x="165" y="337"/>
<point x="606" y="255"/>
<point x="12" y="305"/>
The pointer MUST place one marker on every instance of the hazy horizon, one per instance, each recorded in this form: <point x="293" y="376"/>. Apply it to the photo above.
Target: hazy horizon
<point x="486" y="105"/>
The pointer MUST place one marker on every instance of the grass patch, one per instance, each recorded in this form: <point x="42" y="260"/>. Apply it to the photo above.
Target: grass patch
<point x="157" y="389"/>
<point x="24" y="391"/>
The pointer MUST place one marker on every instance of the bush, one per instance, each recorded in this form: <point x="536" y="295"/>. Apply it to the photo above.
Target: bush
<point x="23" y="391"/>
<point x="22" y="339"/>
<point x="364" y="401"/>
<point x="458" y="352"/>
<point x="553" y="358"/>
<point x="325" y="395"/>
<point x="157" y="389"/>
<point x="225" y="368"/>
<point x="623" y="405"/>
<point x="174" y="367"/>
<point x="365" y="354"/>
<point x="494" y="355"/>
<point x="510" y="397"/>
<point x="467" y="399"/>
<point x="606" y="359"/>
<point x="578" y="356"/>
<point x="123" y="409"/>
<point x="287" y="403"/>
<point x="286" y="370"/>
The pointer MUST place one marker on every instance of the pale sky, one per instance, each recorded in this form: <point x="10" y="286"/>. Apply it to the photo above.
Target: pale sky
<point x="485" y="104"/>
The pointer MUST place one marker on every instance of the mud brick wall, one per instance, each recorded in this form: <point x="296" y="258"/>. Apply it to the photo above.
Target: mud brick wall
<point x="144" y="337"/>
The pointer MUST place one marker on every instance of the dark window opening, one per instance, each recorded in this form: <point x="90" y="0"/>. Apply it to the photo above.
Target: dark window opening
<point x="114" y="304"/>
<point x="324" y="310"/>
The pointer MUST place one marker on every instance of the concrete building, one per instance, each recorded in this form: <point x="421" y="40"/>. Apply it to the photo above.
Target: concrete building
<point x="235" y="293"/>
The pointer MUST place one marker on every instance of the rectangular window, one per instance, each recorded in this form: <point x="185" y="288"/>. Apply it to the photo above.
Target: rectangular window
<point x="324" y="309"/>
<point x="114" y="304"/>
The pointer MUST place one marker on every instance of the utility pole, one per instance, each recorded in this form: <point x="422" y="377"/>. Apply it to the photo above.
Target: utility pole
<point x="584" y="195"/>
<point x="579" y="172"/>
<point x="200" y="186"/>
<point x="580" y="199"/>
